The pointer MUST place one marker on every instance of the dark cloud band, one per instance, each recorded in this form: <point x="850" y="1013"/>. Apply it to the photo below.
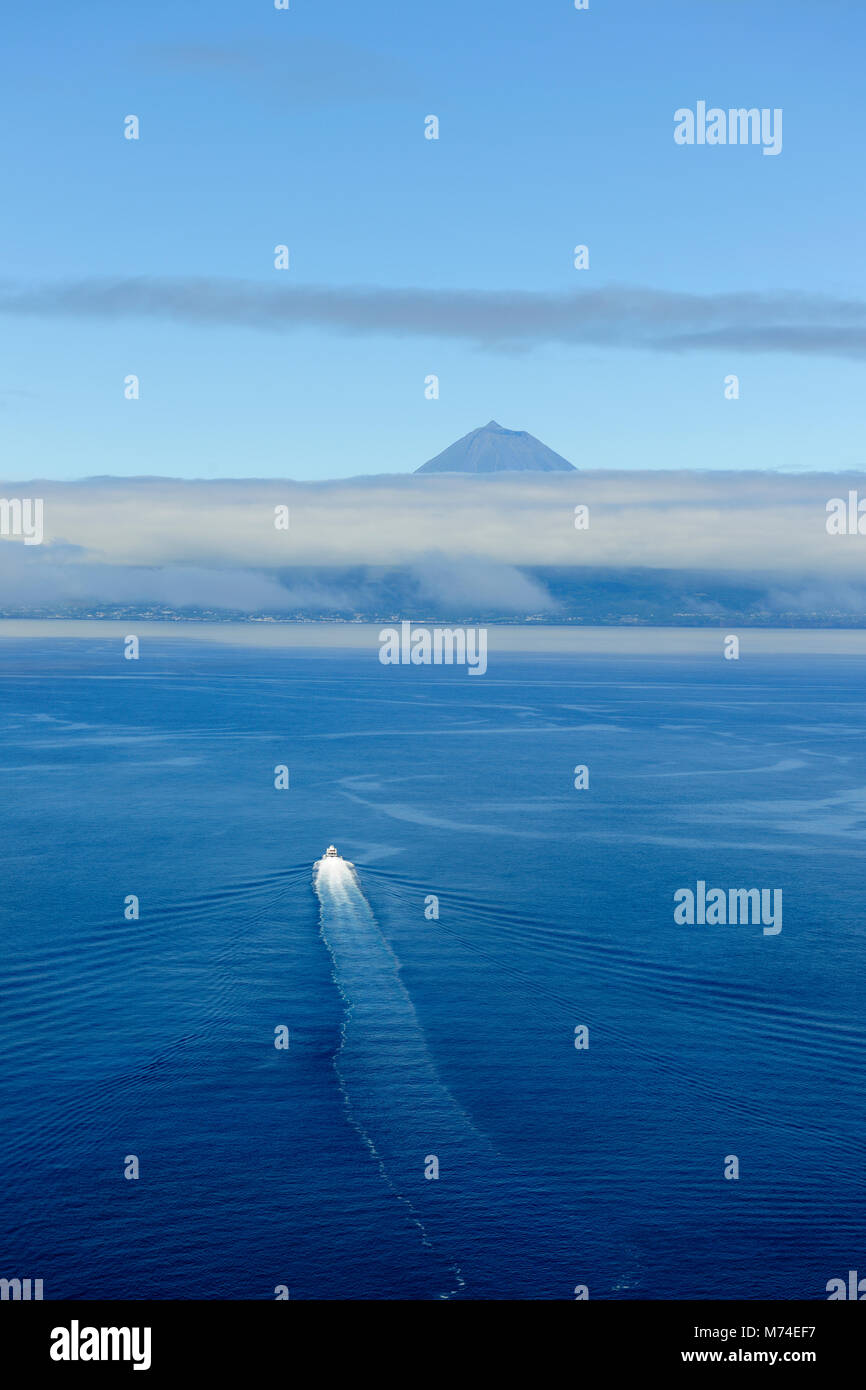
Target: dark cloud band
<point x="615" y="316"/>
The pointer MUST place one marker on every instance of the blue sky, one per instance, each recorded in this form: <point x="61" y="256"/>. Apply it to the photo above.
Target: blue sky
<point x="306" y="127"/>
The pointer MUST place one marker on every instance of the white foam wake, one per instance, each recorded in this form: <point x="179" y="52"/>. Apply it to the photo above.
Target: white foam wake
<point x="393" y="1093"/>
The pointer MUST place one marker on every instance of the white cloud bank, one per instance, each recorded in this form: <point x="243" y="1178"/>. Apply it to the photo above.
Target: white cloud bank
<point x="214" y="543"/>
<point x="730" y="521"/>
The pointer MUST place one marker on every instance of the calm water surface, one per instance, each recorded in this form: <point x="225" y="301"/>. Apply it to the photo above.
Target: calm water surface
<point x="415" y="1037"/>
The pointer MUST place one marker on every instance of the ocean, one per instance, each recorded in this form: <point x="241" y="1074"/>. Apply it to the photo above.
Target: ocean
<point x="430" y="1130"/>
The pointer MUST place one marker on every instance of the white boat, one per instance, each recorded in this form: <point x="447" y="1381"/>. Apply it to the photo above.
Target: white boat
<point x="331" y="852"/>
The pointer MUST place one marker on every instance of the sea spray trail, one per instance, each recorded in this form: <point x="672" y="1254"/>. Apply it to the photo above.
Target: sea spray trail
<point x="396" y="1099"/>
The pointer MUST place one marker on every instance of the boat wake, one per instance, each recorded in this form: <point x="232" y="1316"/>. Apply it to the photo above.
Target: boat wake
<point x="394" y="1097"/>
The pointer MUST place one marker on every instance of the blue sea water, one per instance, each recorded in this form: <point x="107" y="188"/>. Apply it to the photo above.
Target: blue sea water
<point x="414" y="1037"/>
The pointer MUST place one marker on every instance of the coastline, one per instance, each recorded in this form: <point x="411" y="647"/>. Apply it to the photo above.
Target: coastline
<point x="535" y="639"/>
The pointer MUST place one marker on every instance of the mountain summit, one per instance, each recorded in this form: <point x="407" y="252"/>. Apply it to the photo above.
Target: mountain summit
<point x="493" y="449"/>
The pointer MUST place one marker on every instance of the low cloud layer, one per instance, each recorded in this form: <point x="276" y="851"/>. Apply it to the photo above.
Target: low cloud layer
<point x="47" y="577"/>
<point x="310" y="72"/>
<point x="485" y="542"/>
<point x="614" y="317"/>
<point x="673" y="520"/>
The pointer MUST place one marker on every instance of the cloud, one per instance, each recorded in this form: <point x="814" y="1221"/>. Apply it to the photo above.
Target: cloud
<point x="66" y="577"/>
<point x="492" y="587"/>
<point x="31" y="579"/>
<point x="614" y="317"/>
<point x="820" y="596"/>
<point x="304" y="71"/>
<point x="441" y="527"/>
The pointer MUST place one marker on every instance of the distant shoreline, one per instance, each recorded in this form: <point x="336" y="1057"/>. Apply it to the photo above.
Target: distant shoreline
<point x="537" y="638"/>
